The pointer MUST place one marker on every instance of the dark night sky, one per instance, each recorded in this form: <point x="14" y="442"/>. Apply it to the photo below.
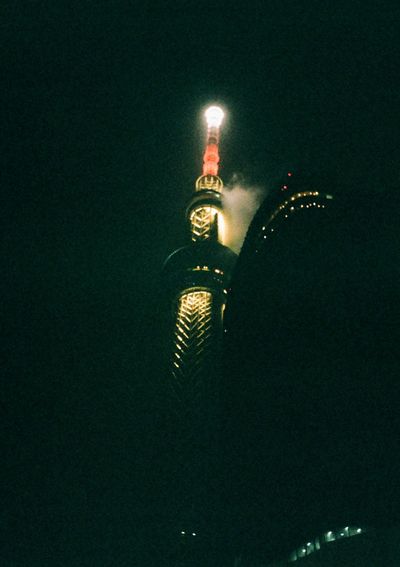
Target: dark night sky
<point x="101" y="142"/>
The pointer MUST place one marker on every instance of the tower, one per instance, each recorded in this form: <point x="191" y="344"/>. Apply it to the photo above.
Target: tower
<point x="198" y="275"/>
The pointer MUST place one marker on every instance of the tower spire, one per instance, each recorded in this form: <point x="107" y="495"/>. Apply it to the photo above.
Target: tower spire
<point x="205" y="212"/>
<point x="214" y="116"/>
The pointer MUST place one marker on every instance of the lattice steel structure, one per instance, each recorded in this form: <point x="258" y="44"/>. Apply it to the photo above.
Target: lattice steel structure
<point x="193" y="333"/>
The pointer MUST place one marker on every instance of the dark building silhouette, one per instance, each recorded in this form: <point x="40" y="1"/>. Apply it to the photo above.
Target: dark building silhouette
<point x="310" y="451"/>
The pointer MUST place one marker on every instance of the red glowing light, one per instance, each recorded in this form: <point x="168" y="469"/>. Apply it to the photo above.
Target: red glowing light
<point x="211" y="160"/>
<point x="289" y="174"/>
<point x="284" y="187"/>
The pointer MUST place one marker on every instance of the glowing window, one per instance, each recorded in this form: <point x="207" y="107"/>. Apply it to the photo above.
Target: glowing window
<point x="329" y="536"/>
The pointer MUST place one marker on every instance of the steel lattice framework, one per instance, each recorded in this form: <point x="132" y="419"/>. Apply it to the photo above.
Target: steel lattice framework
<point x="204" y="221"/>
<point x="193" y="334"/>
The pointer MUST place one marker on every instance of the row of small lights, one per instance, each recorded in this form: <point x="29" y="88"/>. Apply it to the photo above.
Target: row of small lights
<point x="307" y="551"/>
<point x="292" y="208"/>
<point x="207" y="269"/>
<point x="309" y="206"/>
<point x="292" y="198"/>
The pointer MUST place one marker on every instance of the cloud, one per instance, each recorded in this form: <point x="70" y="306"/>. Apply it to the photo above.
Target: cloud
<point x="241" y="202"/>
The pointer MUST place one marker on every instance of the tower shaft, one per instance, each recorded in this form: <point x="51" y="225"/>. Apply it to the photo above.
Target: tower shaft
<point x="198" y="274"/>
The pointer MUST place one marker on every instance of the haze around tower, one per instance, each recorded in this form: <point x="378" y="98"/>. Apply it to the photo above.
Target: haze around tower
<point x="241" y="201"/>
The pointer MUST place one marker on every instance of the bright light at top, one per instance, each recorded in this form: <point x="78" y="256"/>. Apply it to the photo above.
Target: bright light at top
<point x="214" y="116"/>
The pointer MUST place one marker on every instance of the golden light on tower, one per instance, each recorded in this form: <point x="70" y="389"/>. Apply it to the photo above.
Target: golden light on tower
<point x="203" y="265"/>
<point x="198" y="274"/>
<point x="192" y="329"/>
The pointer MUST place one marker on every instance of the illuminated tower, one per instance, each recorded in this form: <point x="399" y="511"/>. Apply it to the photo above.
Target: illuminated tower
<point x="198" y="274"/>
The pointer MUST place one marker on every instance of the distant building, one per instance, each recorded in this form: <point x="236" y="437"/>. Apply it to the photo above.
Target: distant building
<point x="311" y="441"/>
